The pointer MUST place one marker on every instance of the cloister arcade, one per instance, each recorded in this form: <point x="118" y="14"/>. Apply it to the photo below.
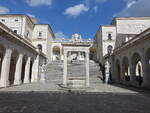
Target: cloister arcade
<point x="131" y="62"/>
<point x="56" y="53"/>
<point x="19" y="60"/>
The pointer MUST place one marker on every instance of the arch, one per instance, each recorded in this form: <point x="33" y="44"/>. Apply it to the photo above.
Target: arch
<point x="147" y="58"/>
<point x="56" y="53"/>
<point x="2" y="52"/>
<point x="92" y="52"/>
<point x="118" y="71"/>
<point x="137" y="68"/>
<point x="109" y="49"/>
<point x="14" y="58"/>
<point x="40" y="47"/>
<point x="126" y="69"/>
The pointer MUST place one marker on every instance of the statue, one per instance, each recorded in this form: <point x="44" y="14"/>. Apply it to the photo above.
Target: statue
<point x="76" y="38"/>
<point x="43" y="71"/>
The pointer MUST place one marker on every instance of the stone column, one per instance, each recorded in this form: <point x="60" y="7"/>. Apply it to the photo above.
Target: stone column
<point x="18" y="70"/>
<point x="6" y="68"/>
<point x="27" y="70"/>
<point x="146" y="77"/>
<point x="35" y="70"/>
<point x="65" y="69"/>
<point x="87" y="69"/>
<point x="132" y="73"/>
<point x="113" y="73"/>
<point x="122" y="72"/>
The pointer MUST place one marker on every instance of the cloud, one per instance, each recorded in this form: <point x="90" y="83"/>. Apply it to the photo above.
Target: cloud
<point x="31" y="15"/>
<point x="4" y="10"/>
<point x="60" y="35"/>
<point x="88" y="2"/>
<point x="136" y="8"/>
<point x="130" y="4"/>
<point x="101" y="1"/>
<point x="95" y="8"/>
<point x="76" y="10"/>
<point x="34" y="3"/>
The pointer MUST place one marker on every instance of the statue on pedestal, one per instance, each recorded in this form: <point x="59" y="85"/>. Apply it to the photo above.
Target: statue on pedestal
<point x="43" y="71"/>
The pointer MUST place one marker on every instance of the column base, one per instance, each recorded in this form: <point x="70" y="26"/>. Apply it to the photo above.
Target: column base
<point x="34" y="80"/>
<point x="4" y="83"/>
<point x="17" y="82"/>
<point x="146" y="85"/>
<point x="26" y="81"/>
<point x="42" y="80"/>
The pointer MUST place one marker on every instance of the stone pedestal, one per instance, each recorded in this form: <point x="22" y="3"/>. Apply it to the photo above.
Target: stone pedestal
<point x="75" y="82"/>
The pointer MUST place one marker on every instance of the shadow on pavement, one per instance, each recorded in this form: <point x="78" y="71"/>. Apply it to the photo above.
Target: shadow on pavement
<point x="73" y="102"/>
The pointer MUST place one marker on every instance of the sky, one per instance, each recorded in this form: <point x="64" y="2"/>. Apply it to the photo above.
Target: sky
<point x="67" y="17"/>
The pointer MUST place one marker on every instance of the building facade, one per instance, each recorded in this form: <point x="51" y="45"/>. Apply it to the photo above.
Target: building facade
<point x="20" y="61"/>
<point x="58" y="50"/>
<point x="40" y="35"/>
<point x="127" y="61"/>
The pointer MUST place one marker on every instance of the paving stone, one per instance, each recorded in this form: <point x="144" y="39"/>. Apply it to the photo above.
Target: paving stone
<point x="50" y="98"/>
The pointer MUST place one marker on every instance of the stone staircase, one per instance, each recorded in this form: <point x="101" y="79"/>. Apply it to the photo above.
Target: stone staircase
<point x="54" y="72"/>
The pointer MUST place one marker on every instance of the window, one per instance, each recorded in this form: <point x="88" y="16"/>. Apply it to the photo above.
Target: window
<point x="27" y="34"/>
<point x="40" y="34"/>
<point x="15" y="31"/>
<point x="39" y="46"/>
<point x="109" y="36"/>
<point x="109" y="49"/>
<point x="16" y="20"/>
<point x="3" y="20"/>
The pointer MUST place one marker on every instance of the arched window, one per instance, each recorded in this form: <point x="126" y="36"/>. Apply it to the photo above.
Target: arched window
<point x="40" y="34"/>
<point x="109" y="36"/>
<point x="39" y="46"/>
<point x="109" y="49"/>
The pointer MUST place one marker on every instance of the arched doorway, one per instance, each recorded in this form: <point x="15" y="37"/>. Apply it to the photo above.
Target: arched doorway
<point x="118" y="71"/>
<point x="56" y="53"/>
<point x="2" y="52"/>
<point x="147" y="58"/>
<point x="92" y="53"/>
<point x="13" y="62"/>
<point x="137" y="68"/>
<point x="39" y="46"/>
<point x="126" y="69"/>
<point x="109" y="49"/>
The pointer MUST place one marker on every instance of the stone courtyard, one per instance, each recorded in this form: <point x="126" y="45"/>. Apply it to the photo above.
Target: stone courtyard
<point x="50" y="97"/>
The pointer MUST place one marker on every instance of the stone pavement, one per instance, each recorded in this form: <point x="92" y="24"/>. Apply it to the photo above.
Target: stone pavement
<point x="51" y="98"/>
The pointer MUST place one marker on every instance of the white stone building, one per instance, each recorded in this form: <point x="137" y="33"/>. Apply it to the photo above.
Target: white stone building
<point x="57" y="50"/>
<point x="117" y="33"/>
<point x="42" y="38"/>
<point x="20" y="61"/>
<point x="126" y="63"/>
<point x="105" y="40"/>
<point x="40" y="35"/>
